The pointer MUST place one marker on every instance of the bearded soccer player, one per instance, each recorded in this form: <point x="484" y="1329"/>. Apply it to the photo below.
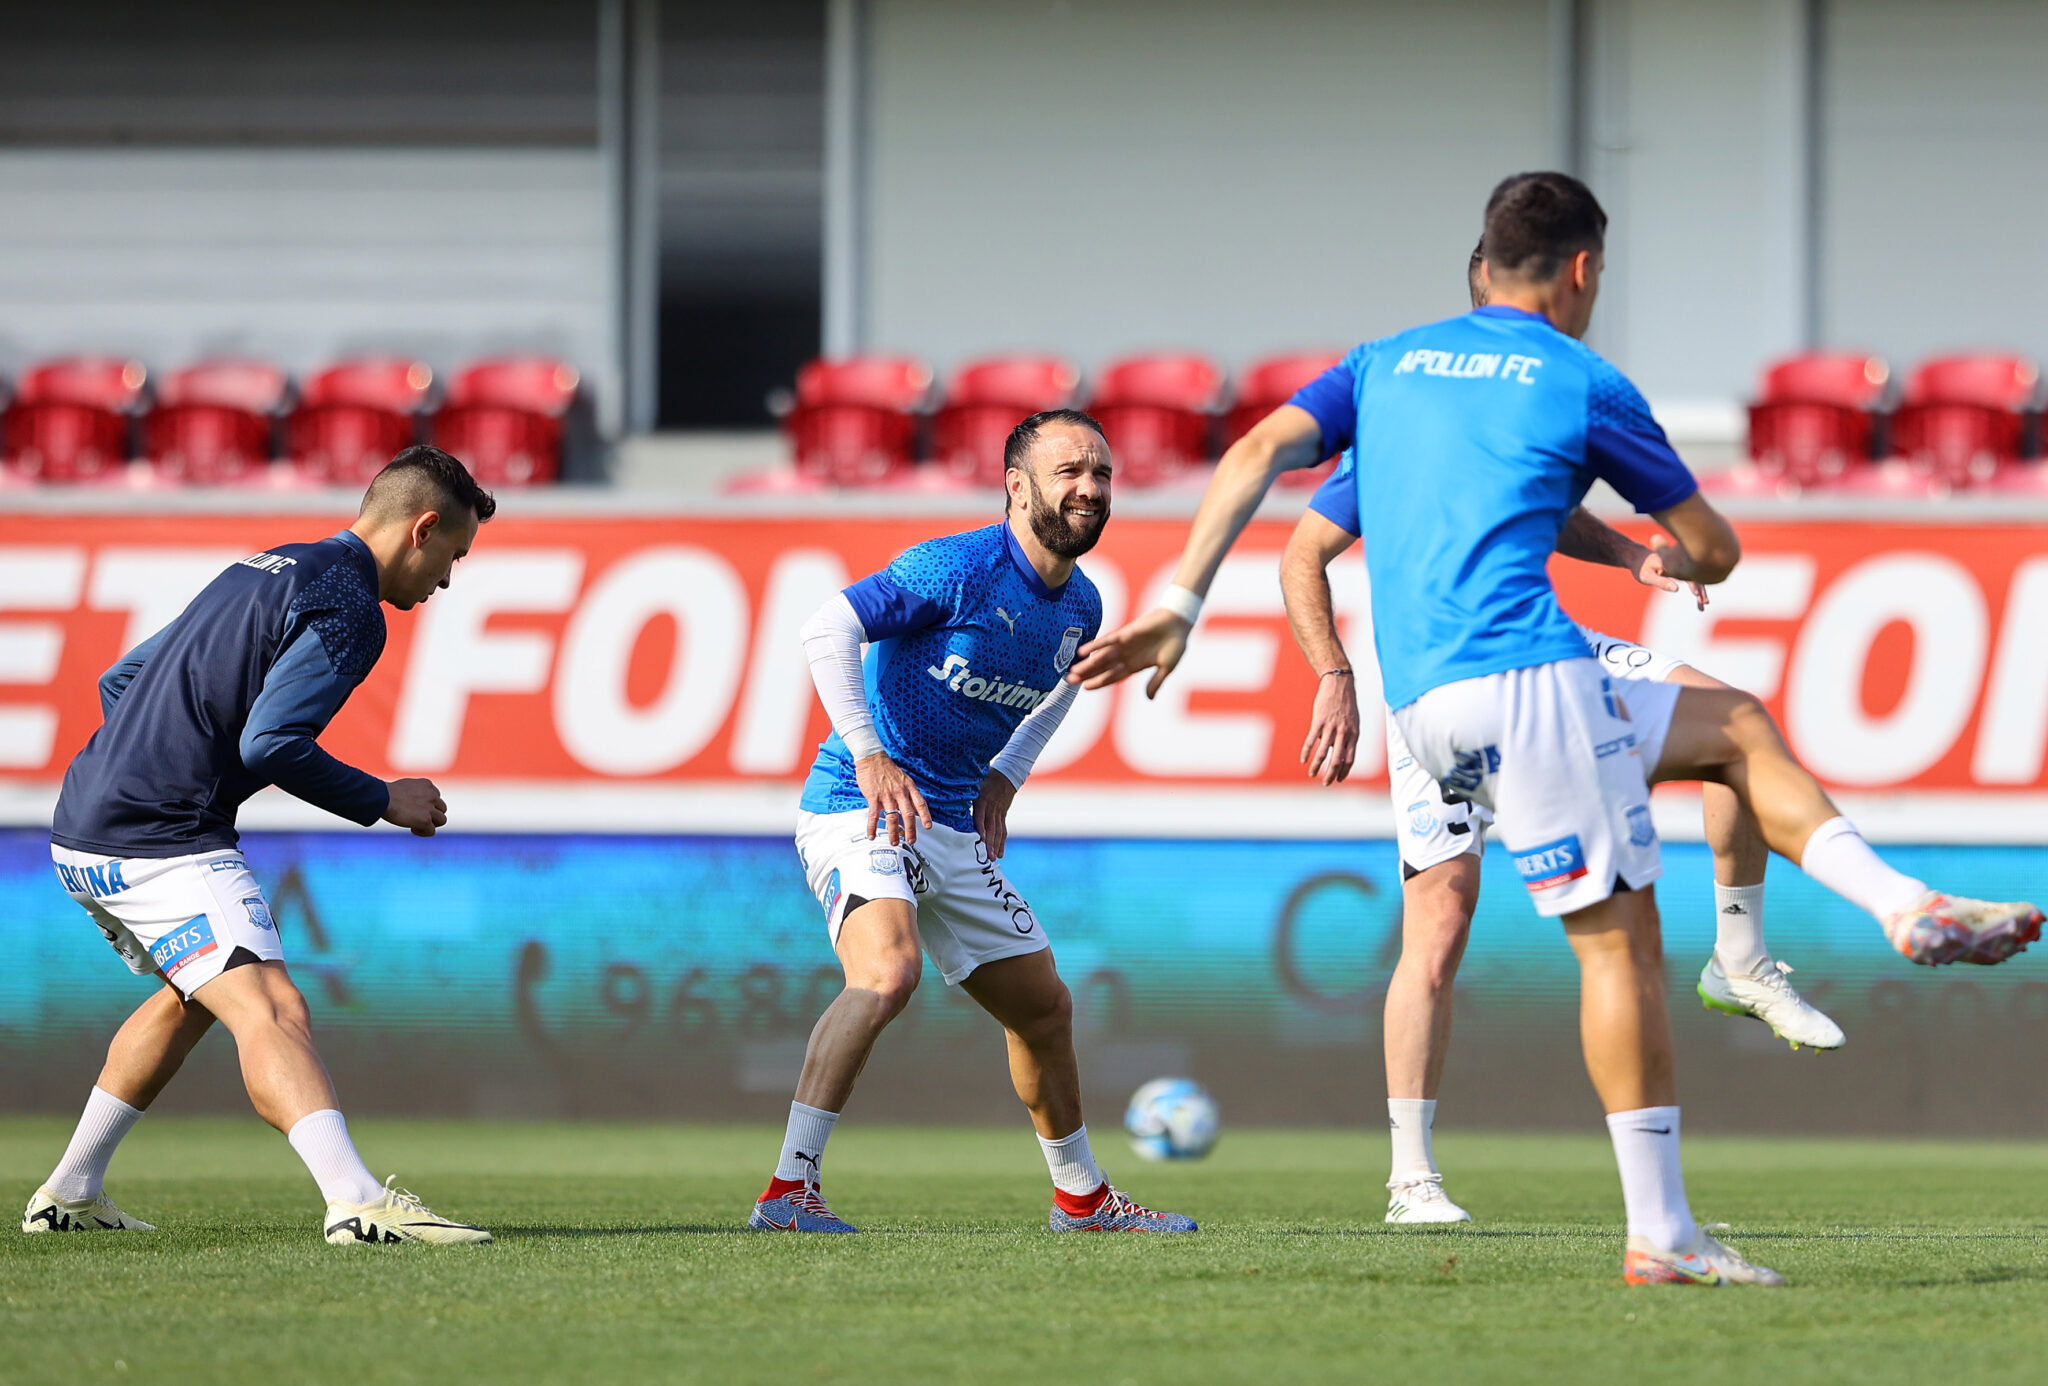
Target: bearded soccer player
<point x="1475" y="438"/>
<point x="903" y="820"/>
<point x="226" y="699"/>
<point x="1441" y="840"/>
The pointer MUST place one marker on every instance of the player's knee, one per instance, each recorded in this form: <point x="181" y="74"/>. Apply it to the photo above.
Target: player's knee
<point x="1750" y="723"/>
<point x="895" y="985"/>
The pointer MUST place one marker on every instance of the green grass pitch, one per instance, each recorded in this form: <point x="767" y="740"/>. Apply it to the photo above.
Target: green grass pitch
<point x="620" y="1259"/>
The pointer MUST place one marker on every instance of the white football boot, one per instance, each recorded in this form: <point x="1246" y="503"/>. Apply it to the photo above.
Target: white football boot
<point x="48" y="1213"/>
<point x="1421" y="1200"/>
<point x="1765" y="995"/>
<point x="1703" y="1261"/>
<point x="394" y="1216"/>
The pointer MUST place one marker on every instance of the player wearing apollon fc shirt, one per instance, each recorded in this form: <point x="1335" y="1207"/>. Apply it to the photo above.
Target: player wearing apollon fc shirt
<point x="1475" y="439"/>
<point x="903" y="820"/>
<point x="1441" y="839"/>
<point x="228" y="698"/>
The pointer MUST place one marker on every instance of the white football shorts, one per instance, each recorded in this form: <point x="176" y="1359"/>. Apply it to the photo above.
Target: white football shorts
<point x="1433" y="831"/>
<point x="185" y="917"/>
<point x="1562" y="754"/>
<point x="1625" y="659"/>
<point x="967" y="912"/>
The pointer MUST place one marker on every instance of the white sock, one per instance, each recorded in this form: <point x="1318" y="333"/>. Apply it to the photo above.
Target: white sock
<point x="1072" y="1163"/>
<point x="1652" y="1185"/>
<point x="1838" y="857"/>
<point x="803" y="1142"/>
<point x="82" y="1173"/>
<point x="1409" y="1120"/>
<point x="1739" y="927"/>
<point x="321" y="1138"/>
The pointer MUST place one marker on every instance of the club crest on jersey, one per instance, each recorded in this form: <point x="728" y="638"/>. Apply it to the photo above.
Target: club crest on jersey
<point x="1552" y="864"/>
<point x="1070" y="641"/>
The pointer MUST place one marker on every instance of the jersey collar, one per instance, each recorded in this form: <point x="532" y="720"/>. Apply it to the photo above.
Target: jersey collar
<point x="1023" y="565"/>
<point x="354" y="542"/>
<point x="1508" y="310"/>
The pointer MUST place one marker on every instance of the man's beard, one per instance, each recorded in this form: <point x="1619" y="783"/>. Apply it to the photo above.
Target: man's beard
<point x="1064" y="537"/>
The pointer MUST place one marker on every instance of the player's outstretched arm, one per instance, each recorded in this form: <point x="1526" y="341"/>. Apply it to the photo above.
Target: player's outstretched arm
<point x="1589" y="539"/>
<point x="1332" y="743"/>
<point x="1286" y="438"/>
<point x="832" y="640"/>
<point x="1706" y="550"/>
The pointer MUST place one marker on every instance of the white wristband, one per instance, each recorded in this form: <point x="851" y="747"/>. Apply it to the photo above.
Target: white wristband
<point x="1182" y="603"/>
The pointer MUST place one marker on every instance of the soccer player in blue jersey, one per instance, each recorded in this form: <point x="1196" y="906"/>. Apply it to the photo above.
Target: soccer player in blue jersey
<point x="1440" y="841"/>
<point x="902" y="826"/>
<point x="226" y="699"/>
<point x="1475" y="438"/>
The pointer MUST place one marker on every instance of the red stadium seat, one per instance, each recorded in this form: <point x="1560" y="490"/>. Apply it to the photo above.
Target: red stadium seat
<point x="985" y="401"/>
<point x="353" y="416"/>
<point x="1158" y="413"/>
<point x="68" y="420"/>
<point x="214" y="422"/>
<point x="1816" y="417"/>
<point x="1965" y="417"/>
<point x="1264" y="387"/>
<point x="854" y="420"/>
<point x="503" y="418"/>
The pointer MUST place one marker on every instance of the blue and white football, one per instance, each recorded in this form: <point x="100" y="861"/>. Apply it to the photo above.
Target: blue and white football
<point x="1173" y="1119"/>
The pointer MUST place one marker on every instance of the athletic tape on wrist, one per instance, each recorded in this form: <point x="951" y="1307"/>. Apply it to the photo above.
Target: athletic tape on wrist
<point x="1182" y="603"/>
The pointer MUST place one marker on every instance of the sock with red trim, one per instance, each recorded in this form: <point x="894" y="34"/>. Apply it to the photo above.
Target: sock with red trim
<point x="1073" y="1168"/>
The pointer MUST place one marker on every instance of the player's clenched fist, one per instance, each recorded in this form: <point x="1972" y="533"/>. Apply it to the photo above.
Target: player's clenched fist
<point x="417" y="805"/>
<point x="893" y="799"/>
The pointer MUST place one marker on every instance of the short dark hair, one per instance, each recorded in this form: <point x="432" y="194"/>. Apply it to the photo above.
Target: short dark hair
<point x="1474" y="285"/>
<point x="1017" y="450"/>
<point x="424" y="477"/>
<point x="1535" y="222"/>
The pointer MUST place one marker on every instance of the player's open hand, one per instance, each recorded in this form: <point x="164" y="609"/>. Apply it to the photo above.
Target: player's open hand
<point x="992" y="812"/>
<point x="417" y="805"/>
<point x="892" y="798"/>
<point x="1155" y="640"/>
<point x="1332" y="729"/>
<point x="1665" y="565"/>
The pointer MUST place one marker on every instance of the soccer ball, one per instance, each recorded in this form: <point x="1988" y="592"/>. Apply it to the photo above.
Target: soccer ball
<point x="1173" y="1119"/>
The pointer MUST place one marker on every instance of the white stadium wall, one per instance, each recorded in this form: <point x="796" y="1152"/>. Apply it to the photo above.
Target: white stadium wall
<point x="301" y="254"/>
<point x="1102" y="178"/>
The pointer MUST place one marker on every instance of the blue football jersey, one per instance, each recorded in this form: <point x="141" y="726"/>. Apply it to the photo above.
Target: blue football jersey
<point x="1473" y="440"/>
<point x="964" y="639"/>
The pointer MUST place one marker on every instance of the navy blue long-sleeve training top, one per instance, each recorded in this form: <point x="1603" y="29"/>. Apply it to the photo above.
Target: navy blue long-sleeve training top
<point x="227" y="699"/>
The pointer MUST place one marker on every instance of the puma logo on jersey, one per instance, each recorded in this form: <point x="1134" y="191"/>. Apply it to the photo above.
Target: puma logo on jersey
<point x="968" y="684"/>
<point x="1008" y="620"/>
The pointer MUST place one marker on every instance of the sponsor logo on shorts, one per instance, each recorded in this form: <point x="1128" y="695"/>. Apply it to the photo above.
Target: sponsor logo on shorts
<point x="259" y="913"/>
<point x="1552" y="864"/>
<point x="96" y="881"/>
<point x="1615" y="747"/>
<point x="192" y="939"/>
<point x="831" y="895"/>
<point x="884" y="862"/>
<point x="1641" y="831"/>
<point x="237" y="864"/>
<point x="1470" y="769"/>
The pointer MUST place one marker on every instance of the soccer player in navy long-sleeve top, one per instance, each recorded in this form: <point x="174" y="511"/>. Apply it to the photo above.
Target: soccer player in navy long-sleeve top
<point x="1474" y="439"/>
<point x="226" y="699"/>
